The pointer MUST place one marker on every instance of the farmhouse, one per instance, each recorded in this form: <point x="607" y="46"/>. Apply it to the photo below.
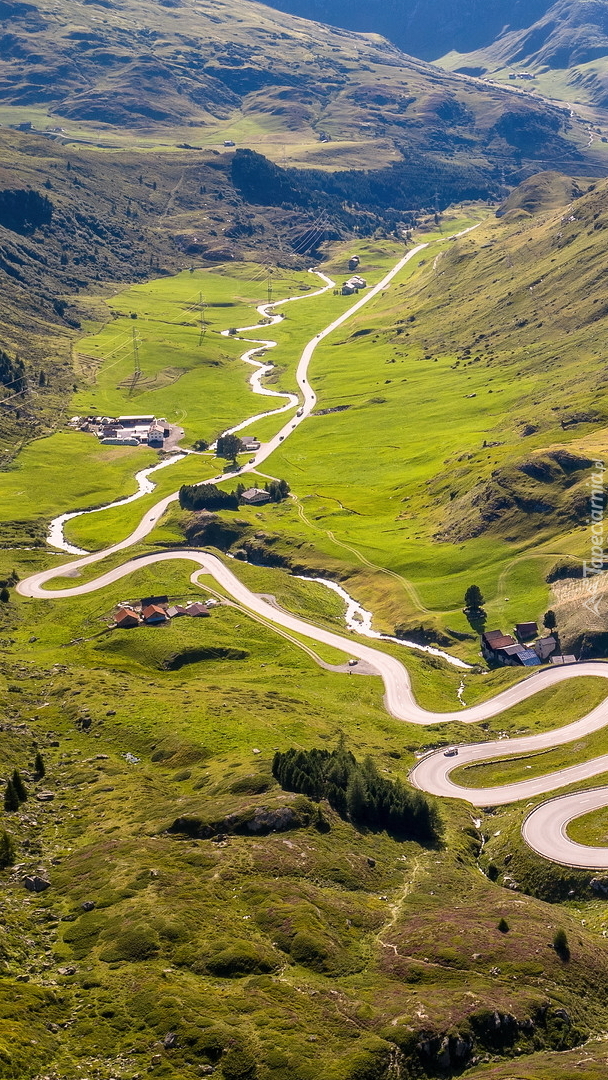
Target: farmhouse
<point x="545" y="646"/>
<point x="197" y="610"/>
<point x="175" y="611"/>
<point x="255" y="497"/>
<point x="249" y="443"/>
<point x="353" y="285"/>
<point x="153" y="614"/>
<point x="526" y="630"/>
<point x="499" y="648"/>
<point x="156" y="436"/>
<point x="125" y="618"/>
<point x="492" y="641"/>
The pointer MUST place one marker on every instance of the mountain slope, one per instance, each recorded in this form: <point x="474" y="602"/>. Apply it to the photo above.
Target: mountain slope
<point x="424" y="29"/>
<point x="566" y="49"/>
<point x="238" y="69"/>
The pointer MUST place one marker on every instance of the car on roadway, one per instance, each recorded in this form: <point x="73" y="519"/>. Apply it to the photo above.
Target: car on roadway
<point x="300" y="412"/>
<point x="451" y="751"/>
<point x="251" y="460"/>
<point x="352" y="662"/>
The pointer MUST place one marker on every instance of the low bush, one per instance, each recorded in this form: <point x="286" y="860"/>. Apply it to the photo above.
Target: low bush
<point x="138" y="943"/>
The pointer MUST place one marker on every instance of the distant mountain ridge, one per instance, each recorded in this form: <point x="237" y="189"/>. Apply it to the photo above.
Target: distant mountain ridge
<point x="490" y="39"/>
<point x="425" y="28"/>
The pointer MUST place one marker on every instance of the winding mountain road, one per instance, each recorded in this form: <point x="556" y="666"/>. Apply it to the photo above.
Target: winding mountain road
<point x="544" y="829"/>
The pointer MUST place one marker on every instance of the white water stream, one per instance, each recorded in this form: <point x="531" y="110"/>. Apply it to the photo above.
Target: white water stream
<point x="360" y="620"/>
<point x="145" y="486"/>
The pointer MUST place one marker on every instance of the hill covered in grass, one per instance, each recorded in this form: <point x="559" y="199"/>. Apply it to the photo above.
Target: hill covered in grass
<point x="268" y="76"/>
<point x="200" y="919"/>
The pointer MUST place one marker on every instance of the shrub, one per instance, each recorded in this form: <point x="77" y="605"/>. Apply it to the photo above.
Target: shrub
<point x="39" y="766"/>
<point x="138" y="943"/>
<point x="503" y="926"/>
<point x="8" y="851"/>
<point x="239" y="958"/>
<point x="239" y="1065"/>
<point x="560" y="944"/>
<point x="308" y="950"/>
<point x="250" y="785"/>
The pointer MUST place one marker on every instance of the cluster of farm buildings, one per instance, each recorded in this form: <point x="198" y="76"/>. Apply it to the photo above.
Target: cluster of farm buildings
<point x="522" y="650"/>
<point x="157" y="612"/>
<point x="355" y="282"/>
<point x="125" y="430"/>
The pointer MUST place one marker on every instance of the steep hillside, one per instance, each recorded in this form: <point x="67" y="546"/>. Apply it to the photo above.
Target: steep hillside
<point x="75" y="223"/>
<point x="427" y="30"/>
<point x="565" y="50"/>
<point x="245" y="71"/>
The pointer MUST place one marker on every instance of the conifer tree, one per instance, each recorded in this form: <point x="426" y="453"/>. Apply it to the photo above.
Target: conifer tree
<point x="39" y="766"/>
<point x="19" y="786"/>
<point x="11" y="799"/>
<point x="356" y="797"/>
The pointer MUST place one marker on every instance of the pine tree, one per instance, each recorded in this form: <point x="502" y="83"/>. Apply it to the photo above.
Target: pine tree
<point x="8" y="850"/>
<point x="4" y="595"/>
<point x="11" y="799"/>
<point x="356" y="797"/>
<point x="39" y="766"/>
<point x="19" y="786"/>
<point x="550" y="620"/>
<point x="473" y="598"/>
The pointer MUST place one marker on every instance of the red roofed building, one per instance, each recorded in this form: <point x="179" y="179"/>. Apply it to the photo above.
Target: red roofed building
<point x="125" y="618"/>
<point x="492" y="641"/>
<point x="153" y="614"/>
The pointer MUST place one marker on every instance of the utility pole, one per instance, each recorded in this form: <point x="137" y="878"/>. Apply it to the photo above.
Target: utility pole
<point x="269" y="285"/>
<point x="203" y="324"/>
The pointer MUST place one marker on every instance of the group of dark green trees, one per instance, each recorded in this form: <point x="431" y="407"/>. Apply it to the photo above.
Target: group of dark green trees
<point x="206" y="497"/>
<point x="15" y="791"/>
<point x="12" y="373"/>
<point x="23" y="210"/>
<point x="358" y="792"/>
<point x="211" y="497"/>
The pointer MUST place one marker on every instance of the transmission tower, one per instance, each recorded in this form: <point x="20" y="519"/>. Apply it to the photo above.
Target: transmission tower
<point x="136" y="364"/>
<point x="269" y="285"/>
<point x="203" y="324"/>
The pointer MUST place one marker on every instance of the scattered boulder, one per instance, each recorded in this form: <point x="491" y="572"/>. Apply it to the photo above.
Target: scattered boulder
<point x="36" y="884"/>
<point x="88" y="905"/>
